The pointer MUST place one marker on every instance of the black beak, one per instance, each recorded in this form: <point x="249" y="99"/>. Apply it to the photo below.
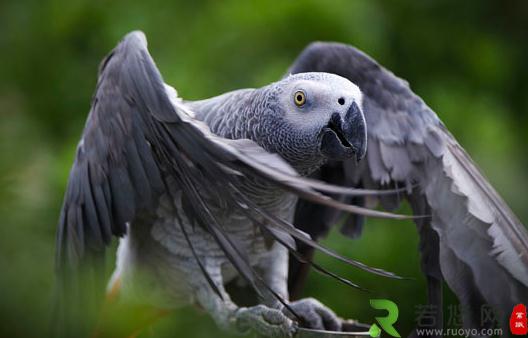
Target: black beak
<point x="345" y="138"/>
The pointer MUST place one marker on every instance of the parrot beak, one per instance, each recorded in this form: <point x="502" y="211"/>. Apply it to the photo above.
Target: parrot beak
<point x="344" y="138"/>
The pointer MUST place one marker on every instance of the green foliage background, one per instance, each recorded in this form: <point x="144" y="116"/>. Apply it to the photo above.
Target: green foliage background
<point x="467" y="59"/>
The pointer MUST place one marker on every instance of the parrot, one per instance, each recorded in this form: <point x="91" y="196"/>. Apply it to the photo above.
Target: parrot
<point x="242" y="186"/>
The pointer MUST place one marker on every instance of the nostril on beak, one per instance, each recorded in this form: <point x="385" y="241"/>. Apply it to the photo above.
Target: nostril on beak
<point x="341" y="101"/>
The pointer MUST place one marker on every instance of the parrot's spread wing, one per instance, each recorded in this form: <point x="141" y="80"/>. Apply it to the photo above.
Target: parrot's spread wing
<point x="137" y="134"/>
<point x="482" y="248"/>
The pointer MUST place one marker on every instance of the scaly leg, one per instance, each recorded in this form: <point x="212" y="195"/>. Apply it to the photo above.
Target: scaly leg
<point x="313" y="313"/>
<point x="260" y="319"/>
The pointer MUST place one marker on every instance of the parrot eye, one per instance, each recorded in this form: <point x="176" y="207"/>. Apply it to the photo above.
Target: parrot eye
<point x="299" y="98"/>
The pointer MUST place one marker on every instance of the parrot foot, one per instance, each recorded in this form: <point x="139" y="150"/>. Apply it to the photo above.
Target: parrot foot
<point x="315" y="315"/>
<point x="263" y="321"/>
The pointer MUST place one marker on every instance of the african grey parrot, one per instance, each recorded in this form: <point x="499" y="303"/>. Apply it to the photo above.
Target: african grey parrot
<point x="202" y="192"/>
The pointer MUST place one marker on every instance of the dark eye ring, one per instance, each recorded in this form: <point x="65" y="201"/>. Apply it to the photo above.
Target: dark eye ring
<point x="299" y="98"/>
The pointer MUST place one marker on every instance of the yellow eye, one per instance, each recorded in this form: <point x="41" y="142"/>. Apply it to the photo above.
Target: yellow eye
<point x="299" y="98"/>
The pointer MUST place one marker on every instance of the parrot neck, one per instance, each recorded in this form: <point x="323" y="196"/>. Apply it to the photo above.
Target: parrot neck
<point x="255" y="114"/>
<point x="226" y="115"/>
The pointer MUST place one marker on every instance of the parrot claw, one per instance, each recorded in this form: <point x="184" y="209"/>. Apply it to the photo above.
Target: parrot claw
<point x="315" y="315"/>
<point x="263" y="321"/>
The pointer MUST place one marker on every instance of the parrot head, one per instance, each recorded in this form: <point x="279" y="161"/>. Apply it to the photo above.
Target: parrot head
<point x="316" y="117"/>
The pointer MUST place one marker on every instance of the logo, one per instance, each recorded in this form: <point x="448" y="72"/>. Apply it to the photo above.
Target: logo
<point x="387" y="321"/>
<point x="518" y="321"/>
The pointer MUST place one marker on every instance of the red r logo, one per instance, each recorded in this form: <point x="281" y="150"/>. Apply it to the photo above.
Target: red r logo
<point x="518" y="321"/>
